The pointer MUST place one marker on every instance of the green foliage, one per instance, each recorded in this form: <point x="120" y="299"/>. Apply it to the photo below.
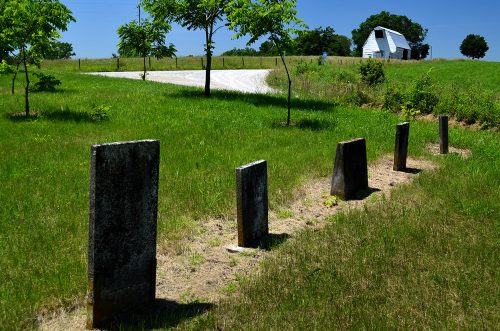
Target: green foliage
<point x="6" y="69"/>
<point x="247" y="51"/>
<point x="330" y="200"/>
<point x="45" y="83"/>
<point x="317" y="41"/>
<point x="409" y="112"/>
<point x="276" y="19"/>
<point x="474" y="46"/>
<point x="29" y="28"/>
<point x="422" y="95"/>
<point x="100" y="113"/>
<point x="58" y="50"/>
<point x="372" y="72"/>
<point x="194" y="15"/>
<point x="413" y="32"/>
<point x="145" y="38"/>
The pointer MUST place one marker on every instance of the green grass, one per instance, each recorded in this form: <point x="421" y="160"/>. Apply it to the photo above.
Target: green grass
<point x="466" y="90"/>
<point x="45" y="169"/>
<point x="417" y="265"/>
<point x="428" y="259"/>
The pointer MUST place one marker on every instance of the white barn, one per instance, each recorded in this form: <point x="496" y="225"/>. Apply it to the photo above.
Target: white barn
<point x="384" y="43"/>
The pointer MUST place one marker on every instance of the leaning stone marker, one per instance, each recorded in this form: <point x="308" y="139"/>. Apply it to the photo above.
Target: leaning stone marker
<point x="252" y="203"/>
<point x="350" y="172"/>
<point x="443" y="134"/>
<point x="401" y="146"/>
<point x="122" y="228"/>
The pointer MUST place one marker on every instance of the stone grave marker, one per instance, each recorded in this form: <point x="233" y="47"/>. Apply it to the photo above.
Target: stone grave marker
<point x="350" y="172"/>
<point x="401" y="146"/>
<point x="252" y="203"/>
<point x="122" y="229"/>
<point x="443" y="134"/>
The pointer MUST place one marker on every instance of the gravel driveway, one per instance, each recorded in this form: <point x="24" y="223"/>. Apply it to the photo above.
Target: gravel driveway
<point x="249" y="81"/>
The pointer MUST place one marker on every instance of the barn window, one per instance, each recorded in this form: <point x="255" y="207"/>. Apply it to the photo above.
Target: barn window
<point x="379" y="34"/>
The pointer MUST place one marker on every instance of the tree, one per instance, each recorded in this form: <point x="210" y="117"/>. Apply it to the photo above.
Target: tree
<point x="58" y="50"/>
<point x="317" y="41"/>
<point x="276" y="19"/>
<point x="413" y="32"/>
<point x="474" y="46"/>
<point x="241" y="52"/>
<point x="145" y="39"/>
<point x="29" y="27"/>
<point x="193" y="15"/>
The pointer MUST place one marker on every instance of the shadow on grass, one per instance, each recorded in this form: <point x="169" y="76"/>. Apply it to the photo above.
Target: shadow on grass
<point x="162" y="314"/>
<point x="305" y="124"/>
<point x="362" y="195"/>
<point x="273" y="240"/>
<point x="61" y="115"/>
<point x="259" y="99"/>
<point x="413" y="171"/>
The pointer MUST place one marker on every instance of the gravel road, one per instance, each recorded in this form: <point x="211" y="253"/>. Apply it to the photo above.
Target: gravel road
<point x="249" y="81"/>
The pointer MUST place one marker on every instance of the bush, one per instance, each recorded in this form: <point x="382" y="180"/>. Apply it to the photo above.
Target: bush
<point x="100" y="113"/>
<point x="423" y="95"/>
<point x="372" y="72"/>
<point x="45" y="83"/>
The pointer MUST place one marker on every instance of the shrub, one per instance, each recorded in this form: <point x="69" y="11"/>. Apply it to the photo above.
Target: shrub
<point x="394" y="98"/>
<point x="100" y="113"/>
<point x="423" y="95"/>
<point x="46" y="83"/>
<point x="372" y="72"/>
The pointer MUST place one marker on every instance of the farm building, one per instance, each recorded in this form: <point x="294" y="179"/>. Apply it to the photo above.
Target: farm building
<point x="384" y="43"/>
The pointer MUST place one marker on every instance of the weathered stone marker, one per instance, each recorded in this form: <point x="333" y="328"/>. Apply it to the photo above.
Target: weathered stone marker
<point x="122" y="228"/>
<point x="350" y="172"/>
<point x="443" y="134"/>
<point x="252" y="203"/>
<point x="401" y="146"/>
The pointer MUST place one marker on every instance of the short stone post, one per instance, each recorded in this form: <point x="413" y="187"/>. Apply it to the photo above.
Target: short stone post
<point x="252" y="203"/>
<point x="350" y="172"/>
<point x="443" y="134"/>
<point x="401" y="146"/>
<point x="122" y="229"/>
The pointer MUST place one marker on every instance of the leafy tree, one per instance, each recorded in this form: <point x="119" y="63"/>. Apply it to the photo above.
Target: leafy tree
<point x="194" y="15"/>
<point x="241" y="52"/>
<point x="317" y="41"/>
<point x="413" y="32"/>
<point x="145" y="39"/>
<point x="58" y="50"/>
<point x="268" y="48"/>
<point x="29" y="26"/>
<point x="474" y="46"/>
<point x="276" y="19"/>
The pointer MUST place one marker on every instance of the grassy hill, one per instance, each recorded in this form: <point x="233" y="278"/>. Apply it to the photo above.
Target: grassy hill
<point x="428" y="258"/>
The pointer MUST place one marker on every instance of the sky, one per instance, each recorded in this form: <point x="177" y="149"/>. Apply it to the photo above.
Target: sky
<point x="449" y="22"/>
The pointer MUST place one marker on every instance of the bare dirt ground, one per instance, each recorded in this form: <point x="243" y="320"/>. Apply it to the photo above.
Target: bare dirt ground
<point x="249" y="81"/>
<point x="201" y="268"/>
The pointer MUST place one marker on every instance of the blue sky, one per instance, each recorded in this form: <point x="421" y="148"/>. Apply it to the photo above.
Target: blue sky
<point x="94" y="33"/>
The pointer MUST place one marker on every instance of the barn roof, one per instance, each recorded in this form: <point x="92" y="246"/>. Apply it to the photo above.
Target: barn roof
<point x="398" y="39"/>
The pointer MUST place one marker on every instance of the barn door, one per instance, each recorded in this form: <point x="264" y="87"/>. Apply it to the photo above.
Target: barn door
<point x="405" y="54"/>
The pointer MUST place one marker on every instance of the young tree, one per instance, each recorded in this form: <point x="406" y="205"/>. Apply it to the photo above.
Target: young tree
<point x="58" y="50"/>
<point x="474" y="46"/>
<point x="29" y="27"/>
<point x="413" y="32"/>
<point x="276" y="19"/>
<point x="145" y="39"/>
<point x="194" y="15"/>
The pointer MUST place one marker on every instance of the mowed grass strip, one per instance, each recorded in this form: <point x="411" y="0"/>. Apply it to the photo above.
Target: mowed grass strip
<point x="44" y="169"/>
<point x="425" y="258"/>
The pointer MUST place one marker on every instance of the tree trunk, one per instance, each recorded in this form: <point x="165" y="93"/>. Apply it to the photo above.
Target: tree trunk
<point x="14" y="78"/>
<point x="27" y="88"/>
<point x="289" y="104"/>
<point x="144" y="74"/>
<point x="208" y="39"/>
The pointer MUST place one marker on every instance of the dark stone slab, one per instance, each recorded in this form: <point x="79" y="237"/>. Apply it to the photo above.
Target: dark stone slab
<point x="122" y="229"/>
<point x="401" y="146"/>
<point x="443" y="134"/>
<point x="252" y="203"/>
<point x="350" y="172"/>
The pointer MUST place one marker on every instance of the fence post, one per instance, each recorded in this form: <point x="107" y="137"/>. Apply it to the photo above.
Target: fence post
<point x="223" y="63"/>
<point x="202" y="64"/>
<point x="150" y="62"/>
<point x="176" y="66"/>
<point x="79" y="65"/>
<point x="243" y="61"/>
<point x="117" y="63"/>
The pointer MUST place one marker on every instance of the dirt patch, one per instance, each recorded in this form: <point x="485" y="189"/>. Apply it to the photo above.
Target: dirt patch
<point x="200" y="269"/>
<point x="464" y="153"/>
